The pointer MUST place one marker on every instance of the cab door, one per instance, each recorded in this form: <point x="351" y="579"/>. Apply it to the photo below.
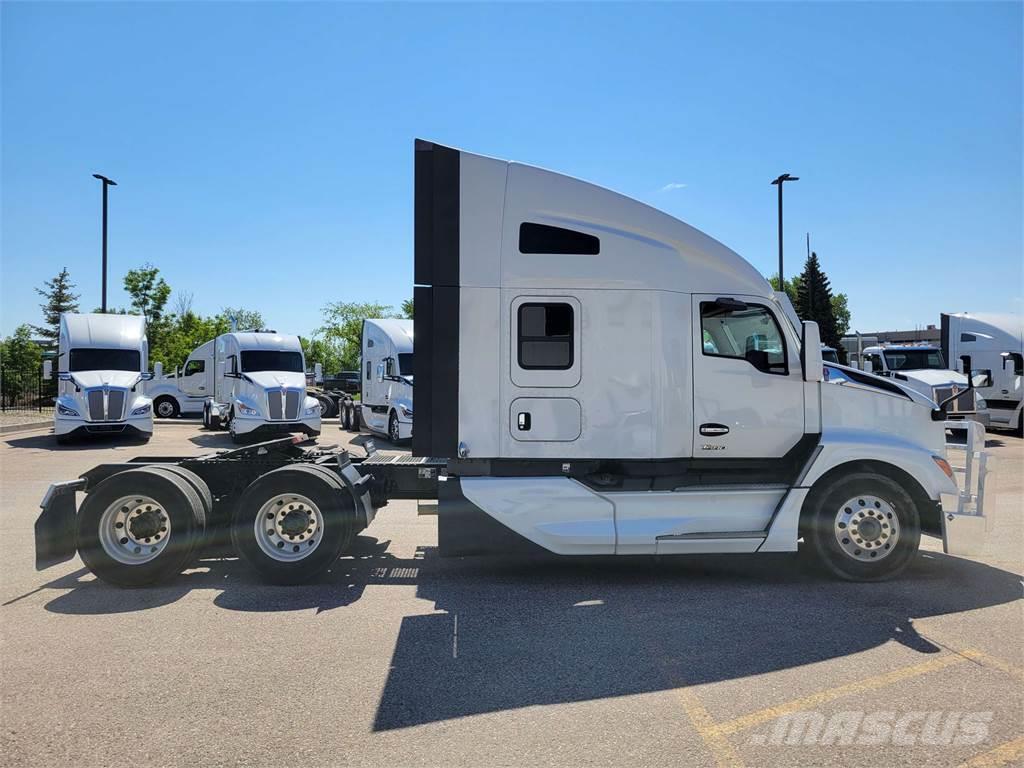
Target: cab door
<point x="195" y="377"/>
<point x="748" y="393"/>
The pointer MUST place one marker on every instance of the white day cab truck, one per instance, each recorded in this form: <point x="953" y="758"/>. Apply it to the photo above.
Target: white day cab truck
<point x="251" y="382"/>
<point x="385" y="404"/>
<point x="924" y="368"/>
<point x="594" y="377"/>
<point x="995" y="345"/>
<point x="101" y="364"/>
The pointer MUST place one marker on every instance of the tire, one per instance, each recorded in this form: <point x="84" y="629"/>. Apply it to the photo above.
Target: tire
<point x="206" y="416"/>
<point x="346" y="417"/>
<point x="196" y="482"/>
<point x="356" y="417"/>
<point x="394" y="435"/>
<point x="293" y="497"/>
<point x="103" y="520"/>
<point x="166" y="408"/>
<point x="1019" y="431"/>
<point x="332" y="407"/>
<point x="862" y="504"/>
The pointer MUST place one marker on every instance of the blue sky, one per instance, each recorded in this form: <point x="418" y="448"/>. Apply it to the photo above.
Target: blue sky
<point x="264" y="151"/>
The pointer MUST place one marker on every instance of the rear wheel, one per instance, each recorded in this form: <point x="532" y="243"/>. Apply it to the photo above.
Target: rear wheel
<point x="140" y="526"/>
<point x="291" y="523"/>
<point x="863" y="527"/>
<point x="346" y="416"/>
<point x="166" y="408"/>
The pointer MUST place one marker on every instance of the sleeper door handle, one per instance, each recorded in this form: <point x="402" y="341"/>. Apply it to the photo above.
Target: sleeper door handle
<point x="714" y="430"/>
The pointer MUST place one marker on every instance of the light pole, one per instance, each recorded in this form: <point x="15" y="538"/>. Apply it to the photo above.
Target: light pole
<point x="778" y="183"/>
<point x="106" y="183"/>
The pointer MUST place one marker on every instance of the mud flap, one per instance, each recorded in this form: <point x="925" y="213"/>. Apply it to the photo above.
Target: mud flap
<point x="55" y="527"/>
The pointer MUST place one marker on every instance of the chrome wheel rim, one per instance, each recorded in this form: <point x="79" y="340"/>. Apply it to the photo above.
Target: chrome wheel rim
<point x="134" y="529"/>
<point x="867" y="528"/>
<point x="165" y="409"/>
<point x="394" y="430"/>
<point x="289" y="527"/>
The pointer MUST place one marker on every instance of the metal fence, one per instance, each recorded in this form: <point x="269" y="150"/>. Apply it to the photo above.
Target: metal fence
<point x="26" y="390"/>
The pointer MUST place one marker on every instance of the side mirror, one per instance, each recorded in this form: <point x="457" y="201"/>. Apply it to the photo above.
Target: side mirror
<point x="982" y="378"/>
<point x="158" y="370"/>
<point x="1017" y="359"/>
<point x="146" y="376"/>
<point x="810" y="351"/>
<point x="318" y="373"/>
<point x="965" y="361"/>
<point x="65" y="376"/>
<point x="47" y="369"/>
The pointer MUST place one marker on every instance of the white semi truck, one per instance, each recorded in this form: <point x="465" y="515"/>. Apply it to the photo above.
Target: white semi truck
<point x="995" y="345"/>
<point x="385" y="404"/>
<point x="251" y="382"/>
<point x="594" y="377"/>
<point x="924" y="368"/>
<point x="102" y="362"/>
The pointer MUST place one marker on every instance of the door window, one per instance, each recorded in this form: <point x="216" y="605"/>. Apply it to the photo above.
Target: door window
<point x="194" y="366"/>
<point x="745" y="332"/>
<point x="545" y="338"/>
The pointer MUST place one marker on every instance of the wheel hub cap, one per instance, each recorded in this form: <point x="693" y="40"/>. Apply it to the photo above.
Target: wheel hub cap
<point x="867" y="528"/>
<point x="134" y="529"/>
<point x="288" y="527"/>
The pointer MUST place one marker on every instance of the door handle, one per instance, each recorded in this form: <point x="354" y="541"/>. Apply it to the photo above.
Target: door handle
<point x="202" y="389"/>
<point x="524" y="421"/>
<point x="714" y="430"/>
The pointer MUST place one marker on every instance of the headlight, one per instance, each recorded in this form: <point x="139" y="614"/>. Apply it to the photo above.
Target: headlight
<point x="63" y="410"/>
<point x="313" y="410"/>
<point x="246" y="410"/>
<point x="981" y="404"/>
<point x="142" y="410"/>
<point x="405" y="411"/>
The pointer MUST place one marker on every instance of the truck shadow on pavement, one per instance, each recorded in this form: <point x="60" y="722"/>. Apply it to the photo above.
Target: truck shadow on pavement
<point x="519" y="632"/>
<point x="48" y="442"/>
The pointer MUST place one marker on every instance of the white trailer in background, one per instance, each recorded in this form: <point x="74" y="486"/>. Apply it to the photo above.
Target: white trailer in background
<point x="385" y="404"/>
<point x="101" y="363"/>
<point x="995" y="345"/>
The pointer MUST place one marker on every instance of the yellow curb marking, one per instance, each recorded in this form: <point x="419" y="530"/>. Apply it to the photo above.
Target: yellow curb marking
<point x="1001" y="755"/>
<point x="719" y="746"/>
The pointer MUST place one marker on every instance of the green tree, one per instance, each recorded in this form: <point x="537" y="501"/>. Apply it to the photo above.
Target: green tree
<point x="343" y="326"/>
<point x="245" y="319"/>
<point x="19" y="354"/>
<point x="59" y="298"/>
<point x="814" y="302"/>
<point x="407" y="309"/>
<point x="842" y="313"/>
<point x="324" y="351"/>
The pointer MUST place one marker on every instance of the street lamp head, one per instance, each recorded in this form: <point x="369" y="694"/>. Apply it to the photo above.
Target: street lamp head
<point x="784" y="177"/>
<point x="104" y="179"/>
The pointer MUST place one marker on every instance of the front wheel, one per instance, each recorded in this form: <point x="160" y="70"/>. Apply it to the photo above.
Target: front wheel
<point x="863" y="527"/>
<point x="394" y="435"/>
<point x="166" y="408"/>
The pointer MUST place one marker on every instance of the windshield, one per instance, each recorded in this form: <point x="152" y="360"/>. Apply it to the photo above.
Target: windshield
<point x="913" y="359"/>
<point x="105" y="360"/>
<point x="271" y="360"/>
<point x="405" y="364"/>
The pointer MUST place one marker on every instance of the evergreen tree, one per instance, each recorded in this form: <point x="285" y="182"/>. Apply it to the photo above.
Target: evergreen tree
<point x="59" y="299"/>
<point x="814" y="302"/>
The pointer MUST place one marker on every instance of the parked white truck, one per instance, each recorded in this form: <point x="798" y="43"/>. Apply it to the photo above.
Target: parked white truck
<point x="251" y="382"/>
<point x="924" y="368"/>
<point x="385" y="404"/>
<point x="102" y="361"/>
<point x="594" y="377"/>
<point x="995" y="345"/>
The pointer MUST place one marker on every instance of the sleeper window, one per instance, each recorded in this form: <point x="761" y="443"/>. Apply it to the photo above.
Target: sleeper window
<point x="545" y="338"/>
<point x="743" y="332"/>
<point x="541" y="238"/>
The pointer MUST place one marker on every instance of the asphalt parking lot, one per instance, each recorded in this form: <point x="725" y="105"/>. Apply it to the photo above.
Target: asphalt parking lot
<point x="400" y="658"/>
